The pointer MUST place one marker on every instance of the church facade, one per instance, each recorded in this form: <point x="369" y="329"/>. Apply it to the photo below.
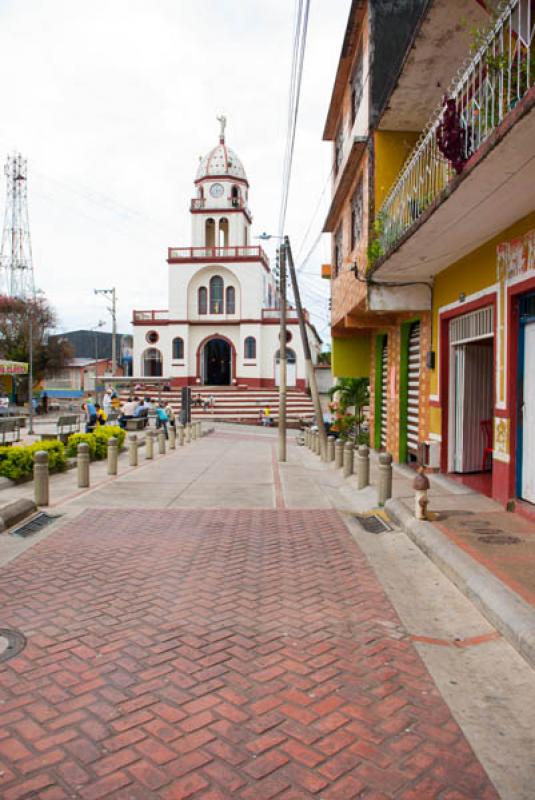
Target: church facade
<point x="221" y="327"/>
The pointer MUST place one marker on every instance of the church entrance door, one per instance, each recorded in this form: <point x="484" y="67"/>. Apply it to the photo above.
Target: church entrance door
<point x="216" y="363"/>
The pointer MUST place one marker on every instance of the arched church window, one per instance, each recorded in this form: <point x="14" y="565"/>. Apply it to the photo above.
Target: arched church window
<point x="249" y="347"/>
<point x="178" y="348"/>
<point x="223" y="232"/>
<point x="231" y="300"/>
<point x="216" y="295"/>
<point x="209" y="233"/>
<point x="290" y="356"/>
<point x="202" y="300"/>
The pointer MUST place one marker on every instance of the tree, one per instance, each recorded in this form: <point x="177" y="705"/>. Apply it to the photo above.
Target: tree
<point x="352" y="393"/>
<point x="17" y="317"/>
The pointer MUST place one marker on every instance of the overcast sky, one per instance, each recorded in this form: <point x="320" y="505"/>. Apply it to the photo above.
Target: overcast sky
<point x="113" y="101"/>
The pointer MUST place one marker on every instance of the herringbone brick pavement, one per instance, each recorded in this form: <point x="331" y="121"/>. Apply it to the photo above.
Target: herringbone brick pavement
<point x="217" y="654"/>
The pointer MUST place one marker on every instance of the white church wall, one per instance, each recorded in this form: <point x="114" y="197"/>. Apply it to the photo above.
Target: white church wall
<point x="250" y="367"/>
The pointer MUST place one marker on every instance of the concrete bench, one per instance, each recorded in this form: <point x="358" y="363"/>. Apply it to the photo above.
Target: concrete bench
<point x="65" y="427"/>
<point x="136" y="424"/>
<point x="10" y="430"/>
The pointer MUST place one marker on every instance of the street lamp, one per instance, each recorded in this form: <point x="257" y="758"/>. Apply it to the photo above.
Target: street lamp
<point x="113" y="311"/>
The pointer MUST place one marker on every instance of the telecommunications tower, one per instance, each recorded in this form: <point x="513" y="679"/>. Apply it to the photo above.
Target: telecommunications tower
<point x="16" y="266"/>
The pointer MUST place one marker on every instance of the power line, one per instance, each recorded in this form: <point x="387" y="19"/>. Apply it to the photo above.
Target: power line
<point x="296" y="74"/>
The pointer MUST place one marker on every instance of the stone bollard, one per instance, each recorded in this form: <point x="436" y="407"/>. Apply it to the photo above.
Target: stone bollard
<point x="199" y="429"/>
<point x="132" y="449"/>
<point x="180" y="429"/>
<point x="317" y="442"/>
<point x="421" y="486"/>
<point x="161" y="442"/>
<point x="82" y="465"/>
<point x="338" y="454"/>
<point x="305" y="437"/>
<point x="113" y="455"/>
<point x="172" y="437"/>
<point x="149" y="444"/>
<point x="348" y="459"/>
<point x="193" y="431"/>
<point x="363" y="467"/>
<point x="384" y="488"/>
<point x="188" y="432"/>
<point x="40" y="478"/>
<point x="330" y="448"/>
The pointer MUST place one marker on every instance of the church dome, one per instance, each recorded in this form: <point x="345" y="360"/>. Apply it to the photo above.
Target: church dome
<point x="221" y="160"/>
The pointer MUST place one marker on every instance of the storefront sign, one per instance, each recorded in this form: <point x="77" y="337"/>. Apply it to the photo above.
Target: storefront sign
<point x="13" y="368"/>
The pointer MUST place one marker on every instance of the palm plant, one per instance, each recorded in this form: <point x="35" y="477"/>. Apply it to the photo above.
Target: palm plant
<point x="352" y="393"/>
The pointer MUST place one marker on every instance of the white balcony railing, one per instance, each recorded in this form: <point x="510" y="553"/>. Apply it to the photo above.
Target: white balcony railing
<point x="493" y="82"/>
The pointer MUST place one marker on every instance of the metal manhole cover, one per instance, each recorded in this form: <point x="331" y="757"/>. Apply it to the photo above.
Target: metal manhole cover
<point x="499" y="539"/>
<point x="372" y="523"/>
<point x="35" y="524"/>
<point x="11" y="643"/>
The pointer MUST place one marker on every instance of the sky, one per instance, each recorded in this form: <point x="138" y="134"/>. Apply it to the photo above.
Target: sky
<point x="113" y="102"/>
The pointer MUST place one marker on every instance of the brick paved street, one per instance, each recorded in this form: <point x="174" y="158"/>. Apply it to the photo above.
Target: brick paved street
<point x="217" y="654"/>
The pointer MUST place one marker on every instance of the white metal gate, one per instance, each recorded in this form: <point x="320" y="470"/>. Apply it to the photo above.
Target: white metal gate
<point x="413" y="390"/>
<point x="528" y="416"/>
<point x="471" y="388"/>
<point x="384" y="392"/>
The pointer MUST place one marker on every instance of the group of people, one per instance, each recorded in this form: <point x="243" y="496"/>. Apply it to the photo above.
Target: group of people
<point x="133" y="408"/>
<point x="208" y="402"/>
<point x="95" y="414"/>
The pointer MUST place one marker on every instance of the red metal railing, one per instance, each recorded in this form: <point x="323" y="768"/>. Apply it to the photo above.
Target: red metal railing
<point x="245" y="252"/>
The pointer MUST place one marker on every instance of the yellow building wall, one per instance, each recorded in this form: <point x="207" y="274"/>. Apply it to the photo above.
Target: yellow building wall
<point x="350" y="358"/>
<point x="472" y="273"/>
<point x="391" y="151"/>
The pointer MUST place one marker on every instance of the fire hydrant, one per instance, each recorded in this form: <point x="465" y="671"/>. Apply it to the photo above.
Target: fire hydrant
<point x="420" y="486"/>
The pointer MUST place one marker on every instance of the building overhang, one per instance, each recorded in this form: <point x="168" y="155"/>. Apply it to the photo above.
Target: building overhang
<point x="494" y="190"/>
<point x="354" y="21"/>
<point x="440" y="46"/>
<point x="345" y="177"/>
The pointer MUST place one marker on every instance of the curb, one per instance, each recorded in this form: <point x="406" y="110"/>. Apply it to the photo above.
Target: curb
<point x="507" y="611"/>
<point x="16" y="511"/>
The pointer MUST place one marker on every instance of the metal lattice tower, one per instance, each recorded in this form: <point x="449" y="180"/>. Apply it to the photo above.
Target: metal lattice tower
<point x="16" y="272"/>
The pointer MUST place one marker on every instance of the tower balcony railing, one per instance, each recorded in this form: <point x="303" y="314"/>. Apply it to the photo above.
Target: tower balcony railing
<point x="152" y="315"/>
<point x="244" y="253"/>
<point x="488" y="87"/>
<point x="200" y="204"/>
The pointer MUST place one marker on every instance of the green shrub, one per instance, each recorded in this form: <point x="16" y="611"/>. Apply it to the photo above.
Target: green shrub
<point x="97" y="441"/>
<point x="102" y="434"/>
<point x="17" y="462"/>
<point x="78" y="438"/>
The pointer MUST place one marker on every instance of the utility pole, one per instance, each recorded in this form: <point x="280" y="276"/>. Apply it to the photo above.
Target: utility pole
<point x="30" y="374"/>
<point x="113" y="311"/>
<point x="282" y="354"/>
<point x="306" y="349"/>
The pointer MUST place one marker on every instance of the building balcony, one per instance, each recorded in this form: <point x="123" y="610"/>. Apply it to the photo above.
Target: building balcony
<point x="188" y="255"/>
<point x="275" y="314"/>
<point x="442" y="208"/>
<point x="150" y="316"/>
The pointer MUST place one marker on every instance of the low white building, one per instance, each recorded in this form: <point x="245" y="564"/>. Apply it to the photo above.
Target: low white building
<point x="222" y="322"/>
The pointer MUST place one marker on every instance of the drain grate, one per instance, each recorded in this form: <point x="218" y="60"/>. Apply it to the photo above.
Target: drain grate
<point x="35" y="524"/>
<point x="11" y="643"/>
<point x="372" y="523"/>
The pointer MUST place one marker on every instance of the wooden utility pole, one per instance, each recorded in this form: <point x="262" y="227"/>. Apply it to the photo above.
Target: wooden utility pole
<point x="282" y="354"/>
<point x="311" y="375"/>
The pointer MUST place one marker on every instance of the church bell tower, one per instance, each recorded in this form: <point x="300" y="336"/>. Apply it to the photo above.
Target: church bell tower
<point x="220" y="216"/>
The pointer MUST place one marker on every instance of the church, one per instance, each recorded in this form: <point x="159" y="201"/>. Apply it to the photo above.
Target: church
<point x="221" y="327"/>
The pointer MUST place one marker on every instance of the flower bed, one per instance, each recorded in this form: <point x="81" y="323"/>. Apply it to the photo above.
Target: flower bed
<point x="16" y="463"/>
<point x="97" y="441"/>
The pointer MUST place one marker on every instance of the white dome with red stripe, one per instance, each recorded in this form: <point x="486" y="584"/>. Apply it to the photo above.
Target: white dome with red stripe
<point x="220" y="162"/>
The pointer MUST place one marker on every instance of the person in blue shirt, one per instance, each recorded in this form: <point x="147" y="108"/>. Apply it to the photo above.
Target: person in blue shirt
<point x="91" y="411"/>
<point x="162" y="418"/>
